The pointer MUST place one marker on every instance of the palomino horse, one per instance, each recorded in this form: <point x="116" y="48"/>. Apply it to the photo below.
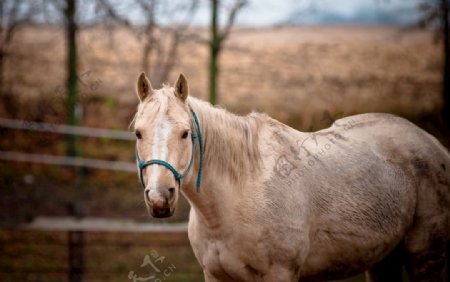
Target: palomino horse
<point x="270" y="203"/>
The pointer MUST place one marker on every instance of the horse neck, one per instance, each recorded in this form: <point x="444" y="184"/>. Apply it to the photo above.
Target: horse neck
<point x="231" y="157"/>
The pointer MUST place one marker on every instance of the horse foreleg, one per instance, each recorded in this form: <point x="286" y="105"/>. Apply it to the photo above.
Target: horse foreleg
<point x="209" y="277"/>
<point x="280" y="273"/>
<point x="388" y="269"/>
<point x="427" y="240"/>
<point x="426" y="251"/>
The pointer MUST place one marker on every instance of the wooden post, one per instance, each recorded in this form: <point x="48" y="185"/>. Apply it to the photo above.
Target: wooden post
<point x="76" y="246"/>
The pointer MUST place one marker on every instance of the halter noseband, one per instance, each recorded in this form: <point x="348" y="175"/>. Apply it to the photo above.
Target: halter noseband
<point x="178" y="176"/>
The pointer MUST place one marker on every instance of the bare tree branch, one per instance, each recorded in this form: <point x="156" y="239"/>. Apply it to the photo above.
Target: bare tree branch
<point x="238" y="5"/>
<point x="161" y="42"/>
<point x="13" y="15"/>
<point x="12" y="19"/>
<point x="112" y="13"/>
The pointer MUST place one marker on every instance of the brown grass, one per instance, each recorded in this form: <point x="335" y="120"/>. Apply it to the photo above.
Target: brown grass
<point x="108" y="256"/>
<point x="294" y="74"/>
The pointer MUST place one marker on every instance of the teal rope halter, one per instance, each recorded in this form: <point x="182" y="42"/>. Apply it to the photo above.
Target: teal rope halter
<point x="178" y="176"/>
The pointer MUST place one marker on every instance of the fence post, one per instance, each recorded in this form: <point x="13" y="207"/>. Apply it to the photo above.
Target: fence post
<point x="76" y="246"/>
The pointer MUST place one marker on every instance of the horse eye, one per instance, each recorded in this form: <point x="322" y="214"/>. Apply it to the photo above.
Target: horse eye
<point x="185" y="134"/>
<point x="138" y="135"/>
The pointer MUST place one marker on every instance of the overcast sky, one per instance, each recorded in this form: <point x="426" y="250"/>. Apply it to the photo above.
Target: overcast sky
<point x="261" y="13"/>
<point x="271" y="12"/>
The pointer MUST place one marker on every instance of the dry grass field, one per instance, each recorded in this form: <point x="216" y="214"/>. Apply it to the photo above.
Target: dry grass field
<point x="292" y="73"/>
<point x="300" y="72"/>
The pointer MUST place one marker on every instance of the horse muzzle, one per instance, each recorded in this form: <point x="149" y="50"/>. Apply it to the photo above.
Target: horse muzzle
<point x="162" y="212"/>
<point x="161" y="204"/>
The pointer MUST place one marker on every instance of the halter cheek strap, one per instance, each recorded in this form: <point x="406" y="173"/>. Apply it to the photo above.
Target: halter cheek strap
<point x="178" y="176"/>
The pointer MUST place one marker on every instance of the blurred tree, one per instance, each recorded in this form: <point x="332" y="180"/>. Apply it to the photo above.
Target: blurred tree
<point x="13" y="15"/>
<point x="217" y="38"/>
<point x="161" y="39"/>
<point x="163" y="52"/>
<point x="435" y="14"/>
<point x="66" y="10"/>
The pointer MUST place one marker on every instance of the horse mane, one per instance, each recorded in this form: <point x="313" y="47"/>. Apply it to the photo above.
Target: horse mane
<point x="230" y="141"/>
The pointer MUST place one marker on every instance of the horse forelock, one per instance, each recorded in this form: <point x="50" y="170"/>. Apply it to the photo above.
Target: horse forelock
<point x="161" y="104"/>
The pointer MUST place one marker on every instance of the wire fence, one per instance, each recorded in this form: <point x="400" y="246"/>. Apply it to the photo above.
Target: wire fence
<point x="36" y="255"/>
<point x="64" y="160"/>
<point x="74" y="248"/>
<point x="67" y="161"/>
<point x="94" y="224"/>
<point x="66" y="129"/>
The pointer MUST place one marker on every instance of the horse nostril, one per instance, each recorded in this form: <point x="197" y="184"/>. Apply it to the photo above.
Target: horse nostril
<point x="146" y="195"/>
<point x="171" y="192"/>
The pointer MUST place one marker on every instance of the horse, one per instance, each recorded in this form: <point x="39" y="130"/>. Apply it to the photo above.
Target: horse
<point x="270" y="203"/>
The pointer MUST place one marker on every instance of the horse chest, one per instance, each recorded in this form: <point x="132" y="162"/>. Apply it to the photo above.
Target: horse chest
<point x="221" y="261"/>
<point x="232" y="259"/>
<point x="215" y="257"/>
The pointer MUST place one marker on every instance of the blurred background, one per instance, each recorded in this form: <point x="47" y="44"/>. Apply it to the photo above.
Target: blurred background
<point x="71" y="206"/>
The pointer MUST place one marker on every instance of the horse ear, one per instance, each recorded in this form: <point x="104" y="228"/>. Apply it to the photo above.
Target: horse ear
<point x="181" y="87"/>
<point x="144" y="87"/>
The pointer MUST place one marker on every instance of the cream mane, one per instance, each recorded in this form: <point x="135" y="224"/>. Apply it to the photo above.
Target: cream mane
<point x="230" y="141"/>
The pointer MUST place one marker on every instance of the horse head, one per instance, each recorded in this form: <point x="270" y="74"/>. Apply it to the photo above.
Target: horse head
<point x="166" y="135"/>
